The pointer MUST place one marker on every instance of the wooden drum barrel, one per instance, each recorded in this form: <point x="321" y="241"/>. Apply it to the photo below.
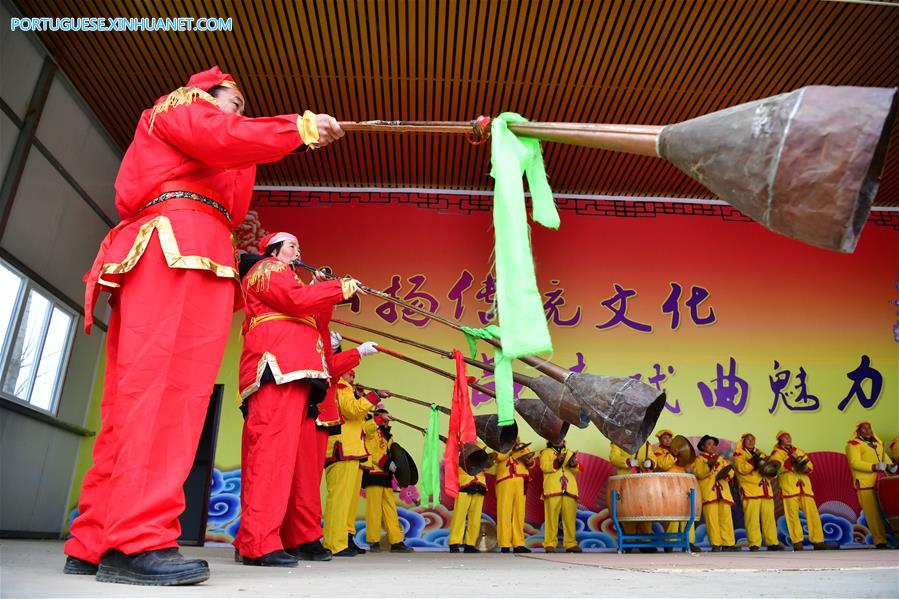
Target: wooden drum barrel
<point x="654" y="496"/>
<point x="888" y="495"/>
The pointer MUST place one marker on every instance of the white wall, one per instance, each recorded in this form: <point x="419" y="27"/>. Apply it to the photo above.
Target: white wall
<point x="54" y="232"/>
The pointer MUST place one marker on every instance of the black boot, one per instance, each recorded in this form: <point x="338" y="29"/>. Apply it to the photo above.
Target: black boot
<point x="695" y="548"/>
<point x="826" y="546"/>
<point x="79" y="566"/>
<point x="797" y="547"/>
<point x="400" y="548"/>
<point x="470" y="549"/>
<point x="753" y="548"/>
<point x="347" y="552"/>
<point x="777" y="547"/>
<point x="313" y="551"/>
<point x="274" y="559"/>
<point x="164" y="567"/>
<point x="351" y="543"/>
<point x="455" y="548"/>
<point x="521" y="549"/>
<point x="505" y="550"/>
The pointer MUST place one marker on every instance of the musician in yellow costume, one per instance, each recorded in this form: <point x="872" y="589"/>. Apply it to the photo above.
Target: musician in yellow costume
<point x="757" y="495"/>
<point x="796" y="492"/>
<point x="642" y="460"/>
<point x="560" y="468"/>
<point x="894" y="449"/>
<point x="343" y="472"/>
<point x="666" y="461"/>
<point x="511" y="476"/>
<point x="466" y="522"/>
<point x="868" y="461"/>
<point x="377" y="480"/>
<point x="715" y="473"/>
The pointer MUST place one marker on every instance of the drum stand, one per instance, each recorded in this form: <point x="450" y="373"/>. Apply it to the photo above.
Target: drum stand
<point x="658" y="540"/>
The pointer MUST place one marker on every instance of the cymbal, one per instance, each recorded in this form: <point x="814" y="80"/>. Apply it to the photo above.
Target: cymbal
<point x="769" y="468"/>
<point x="683" y="450"/>
<point x="724" y="472"/>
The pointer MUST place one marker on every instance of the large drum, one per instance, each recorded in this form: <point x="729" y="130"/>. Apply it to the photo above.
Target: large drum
<point x="888" y="495"/>
<point x="654" y="496"/>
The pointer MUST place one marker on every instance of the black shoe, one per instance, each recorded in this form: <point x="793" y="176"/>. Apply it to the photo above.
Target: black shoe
<point x="777" y="547"/>
<point x="826" y="546"/>
<point x="574" y="549"/>
<point x="455" y="548"/>
<point x="877" y="546"/>
<point x="797" y="547"/>
<point x="348" y="552"/>
<point x="79" y="566"/>
<point x="753" y="548"/>
<point x="716" y="548"/>
<point x="732" y="549"/>
<point x="521" y="549"/>
<point x="505" y="550"/>
<point x="351" y="542"/>
<point x="313" y="551"/>
<point x="695" y="548"/>
<point x="470" y="549"/>
<point x="375" y="547"/>
<point x="400" y="548"/>
<point x="165" y="567"/>
<point x="273" y="559"/>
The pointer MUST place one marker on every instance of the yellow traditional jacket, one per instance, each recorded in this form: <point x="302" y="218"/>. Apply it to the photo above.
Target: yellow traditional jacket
<point x="712" y="489"/>
<point x="378" y="448"/>
<point x="791" y="483"/>
<point x="863" y="456"/>
<point x="752" y="484"/>
<point x="350" y="443"/>
<point x="619" y="457"/>
<point x="559" y="477"/>
<point x="508" y="466"/>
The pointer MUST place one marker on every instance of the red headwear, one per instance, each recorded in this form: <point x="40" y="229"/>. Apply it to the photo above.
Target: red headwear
<point x="273" y="238"/>
<point x="210" y="78"/>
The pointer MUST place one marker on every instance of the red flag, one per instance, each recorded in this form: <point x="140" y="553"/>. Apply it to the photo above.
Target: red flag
<point x="461" y="427"/>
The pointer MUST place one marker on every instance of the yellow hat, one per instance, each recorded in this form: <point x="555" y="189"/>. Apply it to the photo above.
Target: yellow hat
<point x="664" y="431"/>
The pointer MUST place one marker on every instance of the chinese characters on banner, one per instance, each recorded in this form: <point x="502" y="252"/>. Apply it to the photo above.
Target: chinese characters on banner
<point x="789" y="386"/>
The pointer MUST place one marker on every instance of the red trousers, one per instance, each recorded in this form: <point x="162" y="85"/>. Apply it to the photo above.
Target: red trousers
<point x="164" y="347"/>
<point x="303" y="520"/>
<point x="280" y="473"/>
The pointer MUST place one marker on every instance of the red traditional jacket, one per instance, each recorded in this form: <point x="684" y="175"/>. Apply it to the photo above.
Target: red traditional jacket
<point x="185" y="148"/>
<point x="282" y="327"/>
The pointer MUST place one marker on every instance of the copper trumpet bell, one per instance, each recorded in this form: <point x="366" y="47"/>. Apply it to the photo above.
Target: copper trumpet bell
<point x="473" y="458"/>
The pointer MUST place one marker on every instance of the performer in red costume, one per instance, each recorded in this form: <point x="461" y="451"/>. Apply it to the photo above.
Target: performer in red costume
<point x="283" y="373"/>
<point x="302" y="531"/>
<point x="183" y="184"/>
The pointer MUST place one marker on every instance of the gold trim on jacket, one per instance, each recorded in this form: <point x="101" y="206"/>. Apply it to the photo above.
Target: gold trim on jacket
<point x="173" y="257"/>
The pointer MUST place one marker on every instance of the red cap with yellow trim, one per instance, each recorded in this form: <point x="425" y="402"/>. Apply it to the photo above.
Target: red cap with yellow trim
<point x="210" y="78"/>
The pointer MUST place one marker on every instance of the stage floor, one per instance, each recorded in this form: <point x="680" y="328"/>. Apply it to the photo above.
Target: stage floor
<point x="34" y="569"/>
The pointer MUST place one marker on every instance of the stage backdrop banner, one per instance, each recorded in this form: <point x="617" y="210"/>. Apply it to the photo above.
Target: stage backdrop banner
<point x="745" y="330"/>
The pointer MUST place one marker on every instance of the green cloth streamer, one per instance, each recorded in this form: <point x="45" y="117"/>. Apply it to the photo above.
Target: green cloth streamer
<point x="519" y="303"/>
<point x="505" y="392"/>
<point x="430" y="461"/>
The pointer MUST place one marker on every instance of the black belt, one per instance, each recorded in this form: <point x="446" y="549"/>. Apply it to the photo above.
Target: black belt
<point x="188" y="195"/>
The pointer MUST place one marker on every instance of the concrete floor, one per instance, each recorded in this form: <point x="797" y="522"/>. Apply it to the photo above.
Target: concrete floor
<point x="34" y="569"/>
